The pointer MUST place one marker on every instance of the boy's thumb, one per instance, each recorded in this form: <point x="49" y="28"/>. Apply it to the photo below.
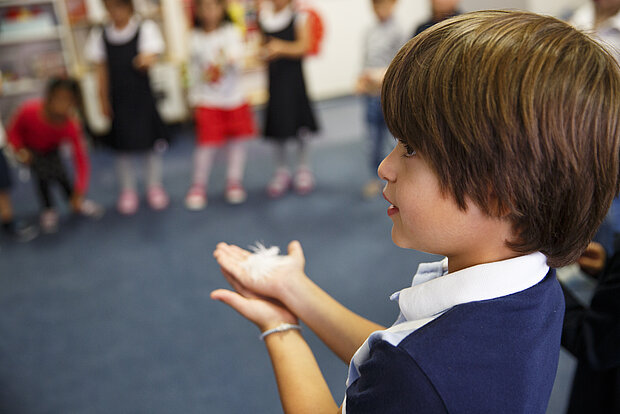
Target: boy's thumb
<point x="232" y="299"/>
<point x="294" y="249"/>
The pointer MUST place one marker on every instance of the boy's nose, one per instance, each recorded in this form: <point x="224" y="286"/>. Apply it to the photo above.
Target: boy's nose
<point x="386" y="170"/>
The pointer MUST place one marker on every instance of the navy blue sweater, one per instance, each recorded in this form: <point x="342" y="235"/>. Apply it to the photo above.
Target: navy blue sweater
<point x="493" y="356"/>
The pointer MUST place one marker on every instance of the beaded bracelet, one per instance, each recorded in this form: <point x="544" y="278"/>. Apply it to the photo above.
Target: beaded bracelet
<point x="280" y="328"/>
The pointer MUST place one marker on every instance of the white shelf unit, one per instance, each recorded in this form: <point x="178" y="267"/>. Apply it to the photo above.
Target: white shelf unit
<point x="32" y="49"/>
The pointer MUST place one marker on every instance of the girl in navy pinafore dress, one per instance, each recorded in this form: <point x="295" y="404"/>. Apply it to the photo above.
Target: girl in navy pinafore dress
<point x="289" y="114"/>
<point x="123" y="52"/>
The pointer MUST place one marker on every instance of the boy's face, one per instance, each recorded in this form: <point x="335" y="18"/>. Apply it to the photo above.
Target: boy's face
<point x="427" y="220"/>
<point x="60" y="103"/>
<point x="383" y="9"/>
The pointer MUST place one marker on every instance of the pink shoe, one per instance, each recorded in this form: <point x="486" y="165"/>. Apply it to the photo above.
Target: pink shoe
<point x="157" y="198"/>
<point x="128" y="202"/>
<point x="280" y="183"/>
<point x="235" y="194"/>
<point x="196" y="198"/>
<point x="304" y="181"/>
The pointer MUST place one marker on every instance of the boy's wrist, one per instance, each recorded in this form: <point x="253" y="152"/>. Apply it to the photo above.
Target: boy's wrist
<point x="290" y="290"/>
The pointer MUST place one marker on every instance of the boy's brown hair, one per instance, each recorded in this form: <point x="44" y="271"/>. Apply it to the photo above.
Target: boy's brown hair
<point x="518" y="113"/>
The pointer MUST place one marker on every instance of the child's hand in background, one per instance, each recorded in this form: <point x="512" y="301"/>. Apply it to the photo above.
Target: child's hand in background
<point x="361" y="86"/>
<point x="592" y="260"/>
<point x="144" y="61"/>
<point x="24" y="156"/>
<point x="272" y="49"/>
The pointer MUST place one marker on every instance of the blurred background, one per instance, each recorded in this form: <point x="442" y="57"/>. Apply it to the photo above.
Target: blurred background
<point x="112" y="314"/>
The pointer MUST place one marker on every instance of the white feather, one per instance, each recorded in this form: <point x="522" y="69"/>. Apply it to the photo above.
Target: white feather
<point x="263" y="261"/>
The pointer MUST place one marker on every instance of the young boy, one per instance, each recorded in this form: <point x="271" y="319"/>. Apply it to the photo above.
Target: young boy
<point x="36" y="133"/>
<point x="381" y="43"/>
<point x="506" y="164"/>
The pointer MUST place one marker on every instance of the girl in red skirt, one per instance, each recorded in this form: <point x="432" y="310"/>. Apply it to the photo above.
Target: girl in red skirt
<point x="222" y="114"/>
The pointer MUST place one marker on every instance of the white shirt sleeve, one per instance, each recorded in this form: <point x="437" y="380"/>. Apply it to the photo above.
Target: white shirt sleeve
<point x="94" y="49"/>
<point x="151" y="40"/>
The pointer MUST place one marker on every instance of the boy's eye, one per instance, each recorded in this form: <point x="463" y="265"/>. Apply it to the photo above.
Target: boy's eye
<point x="409" y="152"/>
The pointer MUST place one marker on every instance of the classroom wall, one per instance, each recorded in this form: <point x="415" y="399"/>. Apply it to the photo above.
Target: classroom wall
<point x="334" y="71"/>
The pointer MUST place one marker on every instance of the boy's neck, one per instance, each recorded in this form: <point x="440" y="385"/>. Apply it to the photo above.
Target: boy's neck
<point x="463" y="261"/>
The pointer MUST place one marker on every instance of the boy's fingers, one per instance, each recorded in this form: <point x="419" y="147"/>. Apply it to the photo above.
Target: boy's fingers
<point x="230" y="265"/>
<point x="238" y="252"/>
<point x="232" y="299"/>
<point x="238" y="286"/>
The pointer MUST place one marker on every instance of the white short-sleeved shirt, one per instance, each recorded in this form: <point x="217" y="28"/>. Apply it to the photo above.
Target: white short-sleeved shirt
<point x="151" y="40"/>
<point x="216" y="61"/>
<point x="272" y="21"/>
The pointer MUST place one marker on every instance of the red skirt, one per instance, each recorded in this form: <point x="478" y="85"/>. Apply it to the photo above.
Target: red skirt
<point x="217" y="126"/>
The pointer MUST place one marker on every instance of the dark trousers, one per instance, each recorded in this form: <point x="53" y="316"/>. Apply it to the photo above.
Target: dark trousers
<point x="48" y="168"/>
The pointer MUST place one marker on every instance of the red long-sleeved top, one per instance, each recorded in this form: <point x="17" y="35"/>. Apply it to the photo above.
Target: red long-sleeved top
<point x="31" y="130"/>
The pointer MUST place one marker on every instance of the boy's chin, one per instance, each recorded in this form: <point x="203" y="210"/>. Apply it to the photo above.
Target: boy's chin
<point x="398" y="240"/>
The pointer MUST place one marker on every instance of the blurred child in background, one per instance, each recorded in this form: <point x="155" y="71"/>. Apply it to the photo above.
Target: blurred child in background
<point x="289" y="114"/>
<point x="123" y="52"/>
<point x="222" y="113"/>
<point x="591" y="333"/>
<point x="36" y="133"/>
<point x="381" y="43"/>
<point x="14" y="229"/>
<point x="440" y="10"/>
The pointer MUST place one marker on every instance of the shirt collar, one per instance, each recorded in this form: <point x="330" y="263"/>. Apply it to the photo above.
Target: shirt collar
<point x="434" y="290"/>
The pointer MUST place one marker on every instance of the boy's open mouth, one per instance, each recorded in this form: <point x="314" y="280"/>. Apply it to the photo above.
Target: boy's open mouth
<point x="392" y="209"/>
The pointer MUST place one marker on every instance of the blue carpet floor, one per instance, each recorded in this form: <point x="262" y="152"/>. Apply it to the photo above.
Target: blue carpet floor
<point x="114" y="315"/>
